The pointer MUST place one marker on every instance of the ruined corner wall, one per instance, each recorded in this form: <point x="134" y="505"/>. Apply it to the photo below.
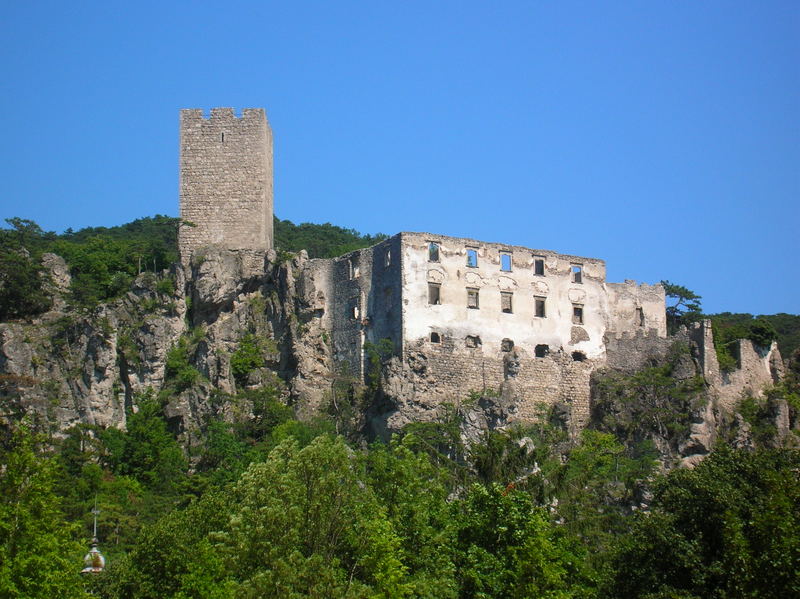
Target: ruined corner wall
<point x="366" y="291"/>
<point x="225" y="180"/>
<point x="757" y="368"/>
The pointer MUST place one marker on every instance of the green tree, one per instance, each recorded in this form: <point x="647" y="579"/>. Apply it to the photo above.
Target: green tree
<point x="507" y="547"/>
<point x="39" y="557"/>
<point x="729" y="528"/>
<point x="685" y="308"/>
<point x="305" y="525"/>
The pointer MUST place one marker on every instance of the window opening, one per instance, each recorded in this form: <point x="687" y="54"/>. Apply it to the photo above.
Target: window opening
<point x="577" y="313"/>
<point x="472" y="341"/>
<point x="435" y="337"/>
<point x="505" y="301"/>
<point x="472" y="298"/>
<point x="354" y="311"/>
<point x="577" y="273"/>
<point x="539" y="307"/>
<point x="355" y="271"/>
<point x="538" y="265"/>
<point x="505" y="261"/>
<point x="387" y="260"/>
<point x="472" y="258"/>
<point x="222" y="137"/>
<point x="433" y="252"/>
<point x="434" y="294"/>
<point x="507" y="344"/>
<point x="640" y="316"/>
<point x="541" y="351"/>
<point x="578" y="356"/>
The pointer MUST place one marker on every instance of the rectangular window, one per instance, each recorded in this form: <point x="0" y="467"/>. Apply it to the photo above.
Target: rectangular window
<point x="433" y="252"/>
<point x="472" y="258"/>
<point x="538" y="265"/>
<point x="640" y="316"/>
<point x="472" y="298"/>
<point x="577" y="273"/>
<point x="434" y="294"/>
<point x="539" y="307"/>
<point x="505" y="301"/>
<point x="387" y="260"/>
<point x="355" y="312"/>
<point x="505" y="261"/>
<point x="577" y="313"/>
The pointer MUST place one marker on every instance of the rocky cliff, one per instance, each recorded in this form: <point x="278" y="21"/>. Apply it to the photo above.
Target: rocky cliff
<point x="231" y="321"/>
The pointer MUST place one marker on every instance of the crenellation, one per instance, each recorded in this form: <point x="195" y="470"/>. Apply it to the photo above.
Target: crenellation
<point x="226" y="180"/>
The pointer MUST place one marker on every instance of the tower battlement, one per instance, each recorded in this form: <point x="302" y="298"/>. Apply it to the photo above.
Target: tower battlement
<point x="226" y="175"/>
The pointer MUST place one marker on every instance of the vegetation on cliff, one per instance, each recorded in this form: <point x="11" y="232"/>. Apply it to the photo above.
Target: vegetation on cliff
<point x="248" y="501"/>
<point x="261" y="504"/>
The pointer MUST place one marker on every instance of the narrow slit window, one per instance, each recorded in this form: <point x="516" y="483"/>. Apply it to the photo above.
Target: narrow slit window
<point x="387" y="260"/>
<point x="506" y="298"/>
<point x="539" y="307"/>
<point x="541" y="351"/>
<point x="472" y="258"/>
<point x="355" y="271"/>
<point x="577" y="273"/>
<point x="434" y="294"/>
<point x="222" y="137"/>
<point x="472" y="299"/>
<point x="354" y="311"/>
<point x="435" y="337"/>
<point x="577" y="313"/>
<point x="433" y="252"/>
<point x="505" y="261"/>
<point x="538" y="265"/>
<point x="640" y="316"/>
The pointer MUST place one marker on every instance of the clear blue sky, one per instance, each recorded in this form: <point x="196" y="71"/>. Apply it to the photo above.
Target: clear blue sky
<point x="663" y="137"/>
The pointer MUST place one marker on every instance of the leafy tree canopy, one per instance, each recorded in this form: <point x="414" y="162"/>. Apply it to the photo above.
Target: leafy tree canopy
<point x="685" y="307"/>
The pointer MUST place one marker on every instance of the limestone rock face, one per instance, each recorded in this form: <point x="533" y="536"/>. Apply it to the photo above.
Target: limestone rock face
<point x="69" y="367"/>
<point x="58" y="279"/>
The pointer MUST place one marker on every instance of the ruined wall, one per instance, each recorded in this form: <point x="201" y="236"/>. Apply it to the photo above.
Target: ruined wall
<point x="367" y="295"/>
<point x="225" y="180"/>
<point x="758" y="367"/>
<point x="452" y="316"/>
<point x="635" y="307"/>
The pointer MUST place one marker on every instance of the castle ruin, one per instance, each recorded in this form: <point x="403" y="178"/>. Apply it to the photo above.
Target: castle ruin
<point x="459" y="315"/>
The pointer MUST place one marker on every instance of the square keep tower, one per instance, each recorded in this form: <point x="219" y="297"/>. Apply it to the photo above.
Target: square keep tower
<point x="225" y="180"/>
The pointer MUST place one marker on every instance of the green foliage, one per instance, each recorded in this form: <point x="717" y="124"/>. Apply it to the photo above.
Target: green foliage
<point x="250" y="355"/>
<point x="729" y="328"/>
<point x="179" y="372"/>
<point x="21" y="290"/>
<point x="757" y="414"/>
<point x="651" y="401"/>
<point x="320" y="241"/>
<point x="39" y="554"/>
<point x="728" y="528"/>
<point x="146" y="451"/>
<point x="376" y="354"/>
<point x="507" y="547"/>
<point x="303" y="524"/>
<point x="685" y="307"/>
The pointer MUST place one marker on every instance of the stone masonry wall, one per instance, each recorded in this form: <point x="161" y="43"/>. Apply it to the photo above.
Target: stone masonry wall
<point x="225" y="180"/>
<point x="367" y="298"/>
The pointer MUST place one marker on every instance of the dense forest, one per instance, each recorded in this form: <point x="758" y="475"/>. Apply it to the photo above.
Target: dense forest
<point x="262" y="504"/>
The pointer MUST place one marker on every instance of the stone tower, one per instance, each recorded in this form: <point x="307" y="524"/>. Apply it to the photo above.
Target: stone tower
<point x="225" y="180"/>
